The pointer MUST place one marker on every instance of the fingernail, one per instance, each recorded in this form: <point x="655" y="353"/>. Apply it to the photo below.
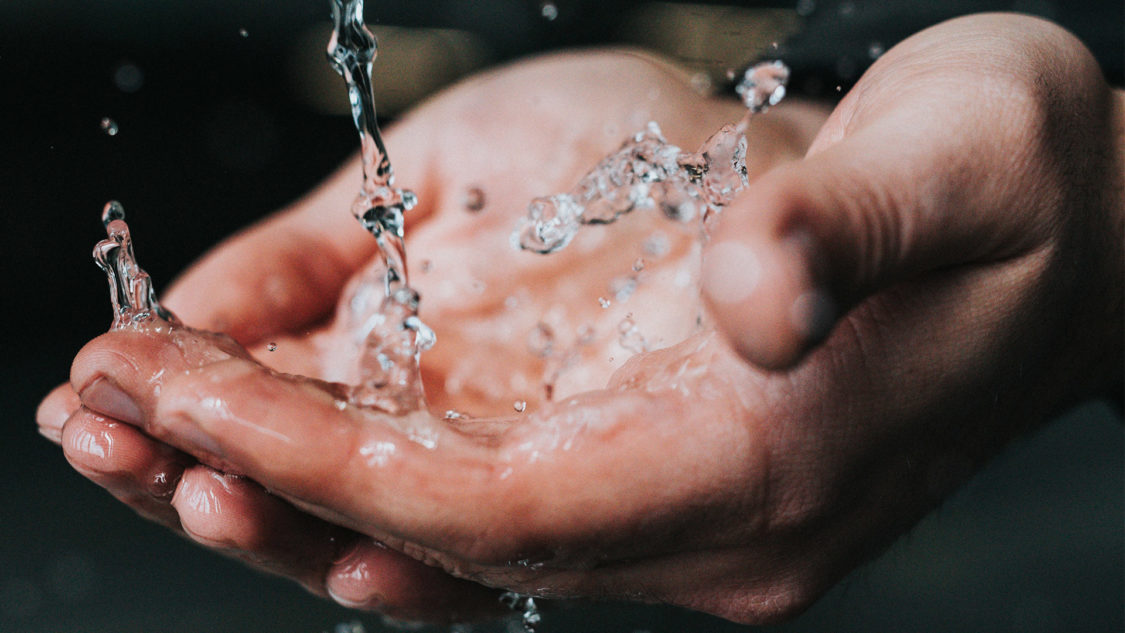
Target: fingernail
<point x="51" y="433"/>
<point x="108" y="399"/>
<point x="50" y="418"/>
<point x="732" y="272"/>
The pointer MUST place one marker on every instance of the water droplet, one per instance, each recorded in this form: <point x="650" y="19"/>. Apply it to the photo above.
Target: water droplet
<point x="701" y="83"/>
<point x="604" y="303"/>
<point x="530" y="617"/>
<point x="128" y="77"/>
<point x="354" y="626"/>
<point x="549" y="11"/>
<point x="109" y="126"/>
<point x="541" y="340"/>
<point x="731" y="74"/>
<point x="453" y="414"/>
<point x="875" y="50"/>
<point x="474" y="199"/>
<point x="805" y="7"/>
<point x="271" y="346"/>
<point x="586" y="335"/>
<point x="763" y="85"/>
<point x="839" y="88"/>
<point x="243" y="33"/>
<point x="639" y="265"/>
<point x="657" y="245"/>
<point x="113" y="210"/>
<point x="629" y="336"/>
<point x="519" y="406"/>
<point x="621" y="288"/>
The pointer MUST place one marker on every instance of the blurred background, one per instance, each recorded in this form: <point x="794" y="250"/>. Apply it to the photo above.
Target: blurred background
<point x="222" y="112"/>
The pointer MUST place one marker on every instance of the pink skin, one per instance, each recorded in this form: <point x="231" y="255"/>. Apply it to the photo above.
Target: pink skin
<point x="939" y="274"/>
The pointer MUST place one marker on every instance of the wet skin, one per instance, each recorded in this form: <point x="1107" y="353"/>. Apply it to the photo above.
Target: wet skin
<point x="960" y="211"/>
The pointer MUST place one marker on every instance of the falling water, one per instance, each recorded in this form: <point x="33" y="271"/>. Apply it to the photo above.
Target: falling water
<point x="392" y="335"/>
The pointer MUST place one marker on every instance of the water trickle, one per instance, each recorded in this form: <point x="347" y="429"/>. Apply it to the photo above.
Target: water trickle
<point x="130" y="289"/>
<point x="647" y="172"/>
<point x="109" y="126"/>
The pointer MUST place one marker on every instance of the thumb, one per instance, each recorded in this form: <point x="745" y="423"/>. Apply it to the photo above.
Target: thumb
<point x="812" y="238"/>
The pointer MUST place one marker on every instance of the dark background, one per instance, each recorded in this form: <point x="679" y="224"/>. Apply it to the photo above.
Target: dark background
<point x="217" y="129"/>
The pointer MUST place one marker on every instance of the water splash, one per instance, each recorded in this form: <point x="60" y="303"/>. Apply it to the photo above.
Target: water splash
<point x="647" y="172"/>
<point x="130" y="288"/>
<point x="392" y="335"/>
<point x="525" y="605"/>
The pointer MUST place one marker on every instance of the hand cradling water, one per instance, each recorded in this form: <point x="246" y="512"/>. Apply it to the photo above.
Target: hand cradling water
<point x="382" y="314"/>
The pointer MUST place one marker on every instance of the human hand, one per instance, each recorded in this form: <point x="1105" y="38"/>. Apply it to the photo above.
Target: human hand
<point x="277" y="282"/>
<point x="693" y="478"/>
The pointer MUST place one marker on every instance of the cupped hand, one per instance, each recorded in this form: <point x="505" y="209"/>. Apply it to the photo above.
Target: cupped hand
<point x="950" y="241"/>
<point x="509" y="323"/>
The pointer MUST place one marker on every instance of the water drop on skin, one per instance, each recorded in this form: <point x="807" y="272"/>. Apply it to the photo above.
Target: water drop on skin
<point x="701" y="83"/>
<point x="271" y="346"/>
<point x="474" y="199"/>
<point x="604" y="303"/>
<point x="519" y="406"/>
<point x="109" y="126"/>
<point x="541" y="340"/>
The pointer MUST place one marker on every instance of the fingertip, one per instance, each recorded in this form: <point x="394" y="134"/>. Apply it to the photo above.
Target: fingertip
<point x="372" y="577"/>
<point x="54" y="410"/>
<point x="764" y="296"/>
<point x="208" y="503"/>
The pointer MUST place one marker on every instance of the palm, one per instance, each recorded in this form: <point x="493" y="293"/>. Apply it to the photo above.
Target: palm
<point x="555" y="320"/>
